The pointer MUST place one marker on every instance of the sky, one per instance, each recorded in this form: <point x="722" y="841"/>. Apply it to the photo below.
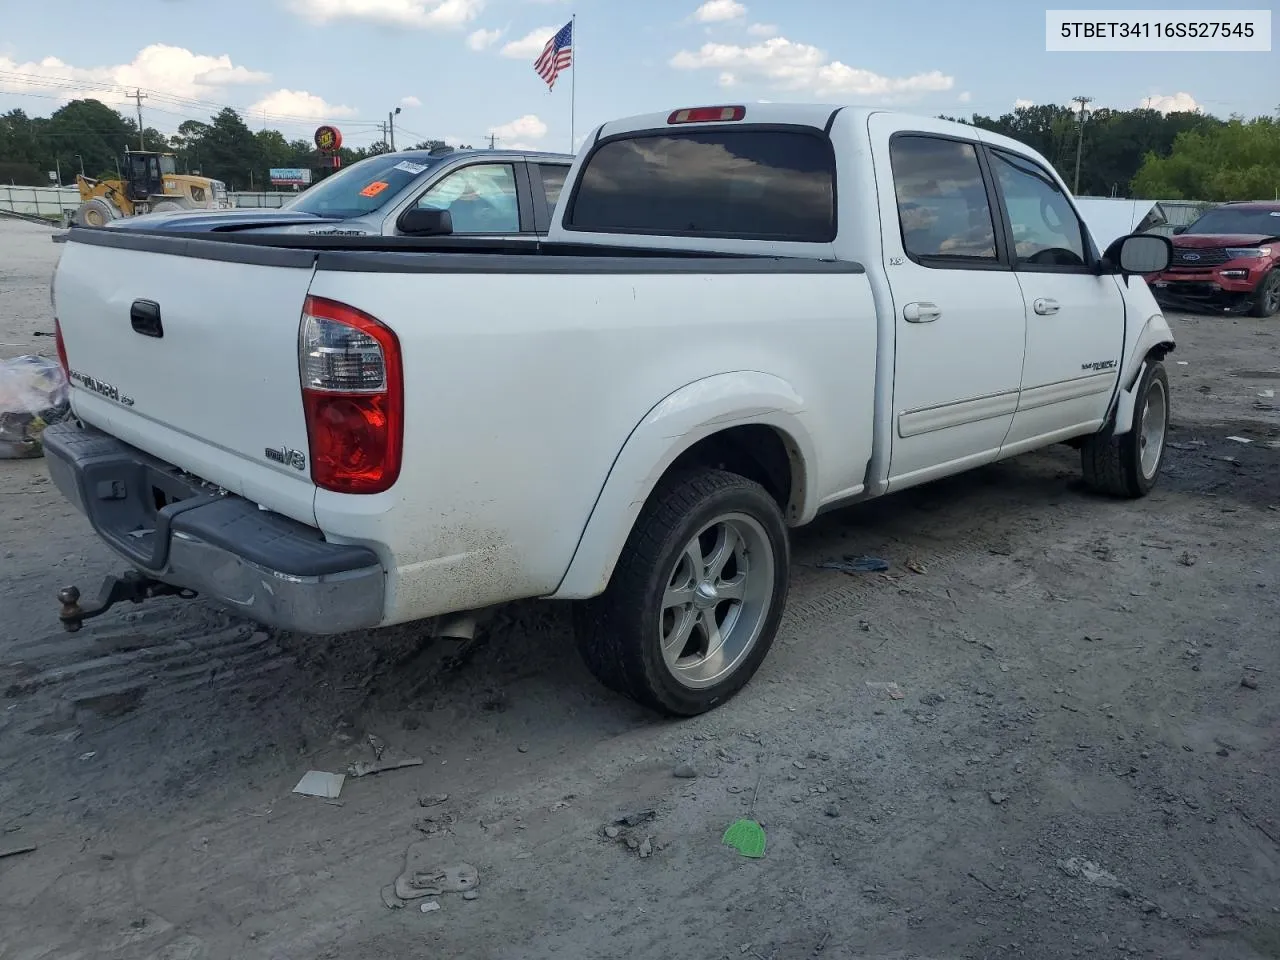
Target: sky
<point x="461" y="70"/>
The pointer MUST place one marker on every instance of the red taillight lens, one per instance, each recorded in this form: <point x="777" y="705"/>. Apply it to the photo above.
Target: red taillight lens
<point x="707" y="114"/>
<point x="353" y="396"/>
<point x="62" y="348"/>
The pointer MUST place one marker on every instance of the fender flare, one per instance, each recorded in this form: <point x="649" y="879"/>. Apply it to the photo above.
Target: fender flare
<point x="677" y="422"/>
<point x="1155" y="334"/>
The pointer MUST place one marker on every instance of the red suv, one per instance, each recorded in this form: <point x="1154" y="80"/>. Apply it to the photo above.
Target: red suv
<point x="1228" y="260"/>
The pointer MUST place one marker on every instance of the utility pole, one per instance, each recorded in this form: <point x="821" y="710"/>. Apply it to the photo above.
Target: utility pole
<point x="385" y="141"/>
<point x="1084" y="103"/>
<point x="138" y="97"/>
<point x="391" y="123"/>
<point x="492" y="140"/>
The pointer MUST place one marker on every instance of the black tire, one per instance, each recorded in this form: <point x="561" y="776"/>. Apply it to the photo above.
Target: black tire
<point x="1114" y="465"/>
<point x="1267" y="302"/>
<point x="620" y="632"/>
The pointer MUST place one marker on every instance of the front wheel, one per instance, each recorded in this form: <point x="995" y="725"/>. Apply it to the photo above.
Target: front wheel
<point x="1128" y="465"/>
<point x="695" y="601"/>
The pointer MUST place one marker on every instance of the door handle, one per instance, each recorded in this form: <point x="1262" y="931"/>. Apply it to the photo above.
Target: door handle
<point x="1045" y="307"/>
<point x="922" y="312"/>
<point x="144" y="317"/>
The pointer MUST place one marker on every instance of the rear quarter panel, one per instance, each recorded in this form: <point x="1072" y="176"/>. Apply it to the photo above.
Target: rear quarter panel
<point x="521" y="389"/>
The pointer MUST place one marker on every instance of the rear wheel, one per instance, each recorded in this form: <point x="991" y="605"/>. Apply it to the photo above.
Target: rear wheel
<point x="95" y="213"/>
<point x="1128" y="465"/>
<point x="1267" y="302"/>
<point x="695" y="601"/>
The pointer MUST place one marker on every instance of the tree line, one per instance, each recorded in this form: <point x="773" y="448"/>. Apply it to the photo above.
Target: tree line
<point x="1174" y="156"/>
<point x="90" y="137"/>
<point x="1144" y="153"/>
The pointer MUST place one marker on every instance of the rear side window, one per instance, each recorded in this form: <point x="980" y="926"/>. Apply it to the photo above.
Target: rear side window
<point x="553" y="177"/>
<point x="942" y="200"/>
<point x="740" y="184"/>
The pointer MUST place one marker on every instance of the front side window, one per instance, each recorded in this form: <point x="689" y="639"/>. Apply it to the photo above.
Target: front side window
<point x="480" y="199"/>
<point x="737" y="184"/>
<point x="942" y="202"/>
<point x="1046" y="230"/>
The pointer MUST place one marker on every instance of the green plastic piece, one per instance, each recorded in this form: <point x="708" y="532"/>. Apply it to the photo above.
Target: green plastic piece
<point x="747" y="837"/>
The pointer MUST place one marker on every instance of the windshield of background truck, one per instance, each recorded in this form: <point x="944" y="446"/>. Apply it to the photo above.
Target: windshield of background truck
<point x="362" y="187"/>
<point x="1264" y="223"/>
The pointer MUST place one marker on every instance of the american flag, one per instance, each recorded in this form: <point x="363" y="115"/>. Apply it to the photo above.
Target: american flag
<point x="557" y="55"/>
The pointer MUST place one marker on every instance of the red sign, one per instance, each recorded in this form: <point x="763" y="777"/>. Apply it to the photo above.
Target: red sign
<point x="328" y="138"/>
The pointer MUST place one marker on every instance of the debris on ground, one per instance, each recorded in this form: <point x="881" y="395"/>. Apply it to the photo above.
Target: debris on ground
<point x="436" y="823"/>
<point x="886" y="687"/>
<point x="431" y="906"/>
<point x="685" y="771"/>
<point x="747" y="837"/>
<point x="319" y="783"/>
<point x="1078" y="868"/>
<point x="852" y="564"/>
<point x="637" y="818"/>
<point x="385" y="758"/>
<point x="433" y="799"/>
<point x="15" y="851"/>
<point x="471" y="895"/>
<point x="415" y="884"/>
<point x="1244" y="440"/>
<point x="1187" y="559"/>
<point x="1249" y="682"/>
<point x="915" y="566"/>
<point x="33" y="395"/>
<point x="998" y="797"/>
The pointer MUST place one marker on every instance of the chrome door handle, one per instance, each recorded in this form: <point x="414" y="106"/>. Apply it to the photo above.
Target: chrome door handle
<point x="922" y="312"/>
<point x="1045" y="307"/>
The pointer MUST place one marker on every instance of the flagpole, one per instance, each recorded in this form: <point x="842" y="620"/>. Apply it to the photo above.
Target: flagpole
<point x="573" y="78"/>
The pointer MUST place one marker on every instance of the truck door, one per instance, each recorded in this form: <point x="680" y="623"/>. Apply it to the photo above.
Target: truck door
<point x="958" y="309"/>
<point x="1075" y="318"/>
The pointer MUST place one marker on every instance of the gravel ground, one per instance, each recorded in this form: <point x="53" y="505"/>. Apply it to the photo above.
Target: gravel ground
<point x="1083" y="762"/>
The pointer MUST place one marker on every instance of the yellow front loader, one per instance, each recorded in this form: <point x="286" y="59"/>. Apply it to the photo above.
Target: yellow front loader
<point x="149" y="183"/>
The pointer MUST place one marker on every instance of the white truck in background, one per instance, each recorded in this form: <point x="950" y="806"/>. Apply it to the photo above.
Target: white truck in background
<point x="741" y="317"/>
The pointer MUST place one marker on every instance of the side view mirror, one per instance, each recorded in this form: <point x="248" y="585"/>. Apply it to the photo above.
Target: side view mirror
<point x="425" y="222"/>
<point x="1139" y="254"/>
<point x="1181" y="228"/>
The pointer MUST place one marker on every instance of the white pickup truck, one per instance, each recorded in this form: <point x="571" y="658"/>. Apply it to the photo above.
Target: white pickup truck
<point x="741" y="317"/>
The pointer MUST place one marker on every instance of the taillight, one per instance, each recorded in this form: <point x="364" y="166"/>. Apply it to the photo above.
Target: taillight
<point x="353" y="395"/>
<point x="62" y="349"/>
<point x="707" y="114"/>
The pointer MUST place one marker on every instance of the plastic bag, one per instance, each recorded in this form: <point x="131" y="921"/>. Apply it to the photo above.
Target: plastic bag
<point x="33" y="394"/>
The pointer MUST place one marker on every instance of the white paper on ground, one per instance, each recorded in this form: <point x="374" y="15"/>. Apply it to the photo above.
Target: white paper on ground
<point x="318" y="783"/>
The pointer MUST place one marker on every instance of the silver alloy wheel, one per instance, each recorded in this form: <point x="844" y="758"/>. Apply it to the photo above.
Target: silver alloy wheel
<point x="716" y="600"/>
<point x="1155" y="421"/>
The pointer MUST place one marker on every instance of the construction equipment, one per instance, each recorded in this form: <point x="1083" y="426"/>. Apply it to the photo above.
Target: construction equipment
<point x="149" y="183"/>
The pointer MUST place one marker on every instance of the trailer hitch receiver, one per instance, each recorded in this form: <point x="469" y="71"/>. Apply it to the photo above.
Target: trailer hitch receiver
<point x="133" y="586"/>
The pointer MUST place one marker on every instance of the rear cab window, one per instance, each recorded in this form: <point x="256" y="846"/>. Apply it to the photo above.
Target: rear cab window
<point x="746" y="183"/>
<point x="363" y="187"/>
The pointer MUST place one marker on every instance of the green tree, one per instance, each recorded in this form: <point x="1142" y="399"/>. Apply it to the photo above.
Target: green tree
<point x="88" y="131"/>
<point x="1237" y="160"/>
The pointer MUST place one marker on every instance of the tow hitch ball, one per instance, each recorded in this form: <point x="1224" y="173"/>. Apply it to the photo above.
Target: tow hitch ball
<point x="133" y="586"/>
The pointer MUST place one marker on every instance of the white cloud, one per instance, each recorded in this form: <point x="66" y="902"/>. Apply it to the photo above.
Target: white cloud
<point x="727" y="80"/>
<point x="765" y="30"/>
<point x="483" y="39"/>
<point x="298" y="104"/>
<point x="423" y="14"/>
<point x="965" y="97"/>
<point x="174" y="70"/>
<point x="1178" y="103"/>
<point x="516" y="134"/>
<point x="530" y="45"/>
<point x="718" y="11"/>
<point x="801" y="67"/>
<point x="1021" y="104"/>
<point x="410" y="102"/>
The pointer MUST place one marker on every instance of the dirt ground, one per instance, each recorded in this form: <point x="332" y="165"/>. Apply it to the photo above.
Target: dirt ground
<point x="1083" y="680"/>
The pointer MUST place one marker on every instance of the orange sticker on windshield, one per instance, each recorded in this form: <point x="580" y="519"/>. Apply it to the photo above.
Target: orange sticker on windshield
<point x="375" y="188"/>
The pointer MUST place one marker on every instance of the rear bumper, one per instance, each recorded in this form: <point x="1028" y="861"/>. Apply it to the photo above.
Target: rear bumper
<point x="184" y="532"/>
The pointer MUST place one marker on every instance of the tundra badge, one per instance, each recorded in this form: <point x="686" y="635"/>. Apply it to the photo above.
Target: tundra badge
<point x="288" y="456"/>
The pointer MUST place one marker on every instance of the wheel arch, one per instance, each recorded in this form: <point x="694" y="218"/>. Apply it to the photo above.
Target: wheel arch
<point x="749" y="422"/>
<point x="1154" y="342"/>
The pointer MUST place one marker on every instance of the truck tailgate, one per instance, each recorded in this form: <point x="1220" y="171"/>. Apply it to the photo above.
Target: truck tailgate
<point x="193" y="359"/>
